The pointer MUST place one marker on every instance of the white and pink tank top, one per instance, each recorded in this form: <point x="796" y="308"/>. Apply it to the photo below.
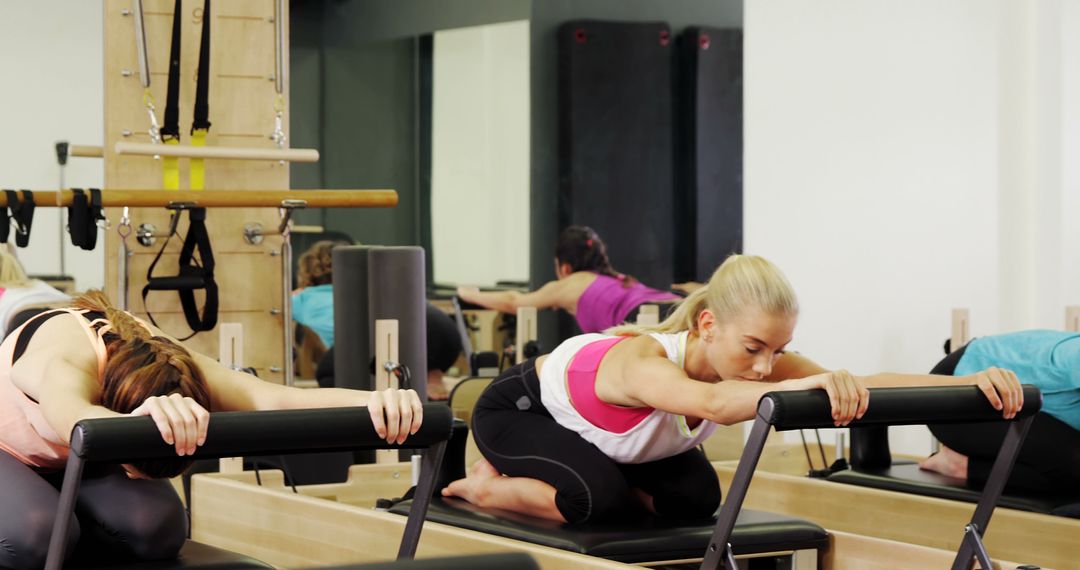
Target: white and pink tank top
<point x="24" y="432"/>
<point x="627" y="435"/>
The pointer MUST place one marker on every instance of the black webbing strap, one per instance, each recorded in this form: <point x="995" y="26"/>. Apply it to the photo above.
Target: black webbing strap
<point x="201" y="119"/>
<point x="170" y="129"/>
<point x="22" y="210"/>
<point x="5" y="224"/>
<point x="83" y="216"/>
<point x="193" y="275"/>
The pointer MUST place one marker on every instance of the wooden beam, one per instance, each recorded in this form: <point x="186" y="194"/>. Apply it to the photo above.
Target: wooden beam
<point x="386" y="352"/>
<point x="1031" y="538"/>
<point x="216" y="152"/>
<point x="297" y="531"/>
<point x="526" y="331"/>
<point x="854" y="552"/>
<point x="1072" y="318"/>
<point x="86" y="151"/>
<point x="224" y="198"/>
<point x="961" y="329"/>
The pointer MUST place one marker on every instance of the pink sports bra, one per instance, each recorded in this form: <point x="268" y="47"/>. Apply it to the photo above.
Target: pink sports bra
<point x="581" y="386"/>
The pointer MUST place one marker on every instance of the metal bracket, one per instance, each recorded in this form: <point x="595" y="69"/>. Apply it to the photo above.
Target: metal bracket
<point x="146" y="234"/>
<point x="287" y="208"/>
<point x="974" y="541"/>
<point x="253" y="233"/>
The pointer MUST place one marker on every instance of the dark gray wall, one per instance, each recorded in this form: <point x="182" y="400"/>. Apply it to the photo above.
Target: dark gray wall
<point x="354" y="96"/>
<point x="355" y="84"/>
<point x="545" y="19"/>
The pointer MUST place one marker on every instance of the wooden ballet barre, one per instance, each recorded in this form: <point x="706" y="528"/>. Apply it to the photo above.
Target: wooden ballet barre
<point x="86" y="151"/>
<point x="223" y="198"/>
<point x="220" y="152"/>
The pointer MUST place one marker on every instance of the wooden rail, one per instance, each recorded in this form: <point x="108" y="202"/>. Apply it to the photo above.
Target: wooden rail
<point x="224" y="198"/>
<point x="220" y="152"/>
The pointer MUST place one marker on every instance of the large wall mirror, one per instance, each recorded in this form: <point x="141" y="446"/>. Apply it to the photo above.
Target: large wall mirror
<point x="480" y="154"/>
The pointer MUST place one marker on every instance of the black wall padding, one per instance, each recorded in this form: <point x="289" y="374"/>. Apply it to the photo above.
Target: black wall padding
<point x="397" y="290"/>
<point x="352" y="321"/>
<point x="709" y="150"/>
<point x="615" y="141"/>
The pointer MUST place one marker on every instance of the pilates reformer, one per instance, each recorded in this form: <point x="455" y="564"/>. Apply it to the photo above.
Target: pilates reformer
<point x="872" y="464"/>
<point x="119" y="440"/>
<point x="889" y="406"/>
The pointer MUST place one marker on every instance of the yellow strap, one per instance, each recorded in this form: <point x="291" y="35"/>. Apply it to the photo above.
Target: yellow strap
<point x="170" y="169"/>
<point x="198" y="172"/>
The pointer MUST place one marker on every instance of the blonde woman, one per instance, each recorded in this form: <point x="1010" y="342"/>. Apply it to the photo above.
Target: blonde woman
<point x="20" y="296"/>
<point x="608" y="424"/>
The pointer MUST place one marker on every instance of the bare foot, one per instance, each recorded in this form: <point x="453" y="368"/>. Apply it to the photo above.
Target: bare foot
<point x="471" y="486"/>
<point x="947" y="462"/>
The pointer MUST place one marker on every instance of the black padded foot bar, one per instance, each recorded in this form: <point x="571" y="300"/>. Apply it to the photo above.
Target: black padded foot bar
<point x="126" y="439"/>
<point x="888" y="406"/>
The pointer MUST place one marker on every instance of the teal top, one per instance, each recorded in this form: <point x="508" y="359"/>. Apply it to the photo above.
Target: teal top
<point x="313" y="307"/>
<point x="1048" y="359"/>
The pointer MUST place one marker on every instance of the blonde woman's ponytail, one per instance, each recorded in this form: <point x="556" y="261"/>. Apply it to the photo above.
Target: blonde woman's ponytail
<point x="741" y="281"/>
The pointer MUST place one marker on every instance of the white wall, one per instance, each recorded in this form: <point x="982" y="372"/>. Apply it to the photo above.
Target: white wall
<point x="480" y="154"/>
<point x="52" y="67"/>
<point x="904" y="158"/>
<point x="1070" y="152"/>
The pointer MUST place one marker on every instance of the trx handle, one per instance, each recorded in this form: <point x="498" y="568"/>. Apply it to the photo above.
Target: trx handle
<point x="192" y="275"/>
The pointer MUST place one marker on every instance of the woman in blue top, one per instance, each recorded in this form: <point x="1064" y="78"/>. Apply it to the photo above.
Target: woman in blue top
<point x="1049" y="460"/>
<point x="313" y="307"/>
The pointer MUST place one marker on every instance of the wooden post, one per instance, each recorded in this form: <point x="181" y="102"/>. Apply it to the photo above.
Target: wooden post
<point x="1072" y="318"/>
<point x="242" y="111"/>
<point x="386" y="351"/>
<point x="526" y="331"/>
<point x="648" y="315"/>
<point x="231" y="340"/>
<point x="961" y="331"/>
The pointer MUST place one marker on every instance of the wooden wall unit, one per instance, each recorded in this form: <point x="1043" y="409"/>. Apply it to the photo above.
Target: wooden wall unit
<point x="241" y="99"/>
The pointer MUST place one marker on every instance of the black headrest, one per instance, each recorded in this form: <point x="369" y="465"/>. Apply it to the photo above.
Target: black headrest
<point x="894" y="406"/>
<point x="253" y="433"/>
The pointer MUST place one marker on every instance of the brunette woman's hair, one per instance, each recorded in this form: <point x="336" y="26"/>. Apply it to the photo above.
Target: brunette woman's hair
<point x="583" y="250"/>
<point x="140" y="365"/>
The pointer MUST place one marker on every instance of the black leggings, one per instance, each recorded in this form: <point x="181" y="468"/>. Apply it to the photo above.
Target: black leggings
<point x="115" y="517"/>
<point x="519" y="437"/>
<point x="1049" y="460"/>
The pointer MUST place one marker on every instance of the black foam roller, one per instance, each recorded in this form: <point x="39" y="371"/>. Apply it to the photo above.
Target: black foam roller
<point x="396" y="291"/>
<point x="352" y="322"/>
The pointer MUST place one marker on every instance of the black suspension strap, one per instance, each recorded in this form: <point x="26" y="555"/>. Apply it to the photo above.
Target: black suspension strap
<point x="200" y="124"/>
<point x="194" y="274"/>
<point x="5" y="223"/>
<point x="22" y="211"/>
<point x="170" y="129"/>
<point x="84" y="214"/>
